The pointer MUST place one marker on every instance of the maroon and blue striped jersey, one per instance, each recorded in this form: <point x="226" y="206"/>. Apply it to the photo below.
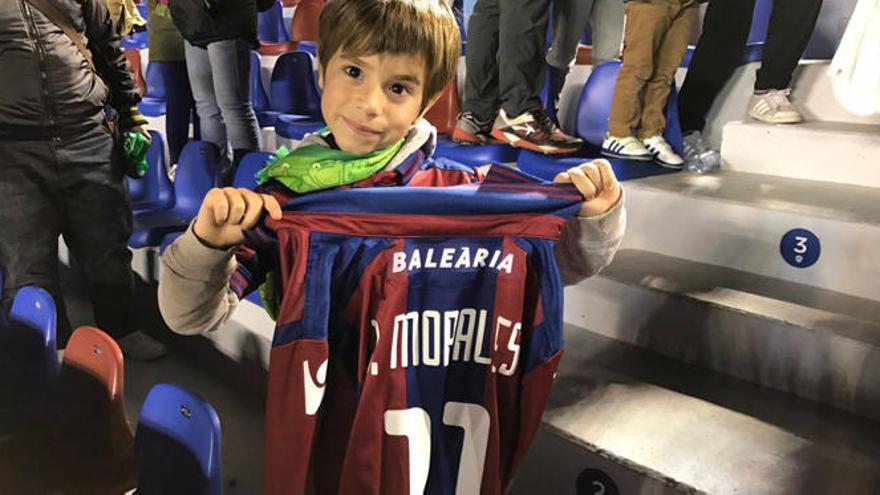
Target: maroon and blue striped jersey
<point x="418" y="331"/>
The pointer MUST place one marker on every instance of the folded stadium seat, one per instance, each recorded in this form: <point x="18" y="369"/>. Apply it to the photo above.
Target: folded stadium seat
<point x="153" y="102"/>
<point x="259" y="99"/>
<point x="246" y="175"/>
<point x="303" y="27"/>
<point x="294" y="92"/>
<point x="134" y="61"/>
<point x="443" y="115"/>
<point x="591" y="124"/>
<point x="197" y="173"/>
<point x="28" y="355"/>
<point x="178" y="443"/>
<point x="270" y="25"/>
<point x="154" y="190"/>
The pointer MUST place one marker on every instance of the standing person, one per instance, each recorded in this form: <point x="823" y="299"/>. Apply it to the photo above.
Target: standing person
<point x="58" y="175"/>
<point x="166" y="48"/>
<point x="219" y="36"/>
<point x="655" y="40"/>
<point x="725" y="32"/>
<point x="570" y="19"/>
<point x="501" y="101"/>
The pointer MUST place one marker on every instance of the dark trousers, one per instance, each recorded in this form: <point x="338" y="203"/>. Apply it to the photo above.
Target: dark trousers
<point x="505" y="57"/>
<point x="725" y="32"/>
<point x="180" y="106"/>
<point x="67" y="187"/>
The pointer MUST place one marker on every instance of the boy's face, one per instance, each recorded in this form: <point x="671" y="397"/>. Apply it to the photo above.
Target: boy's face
<point x="370" y="101"/>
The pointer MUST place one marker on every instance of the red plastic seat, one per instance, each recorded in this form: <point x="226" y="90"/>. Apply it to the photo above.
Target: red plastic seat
<point x="134" y="60"/>
<point x="444" y="114"/>
<point x="303" y="27"/>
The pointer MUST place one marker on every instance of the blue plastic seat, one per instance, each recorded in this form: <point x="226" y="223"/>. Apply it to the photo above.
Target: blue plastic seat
<point x="153" y="102"/>
<point x="245" y="176"/>
<point x="270" y="24"/>
<point x="475" y="155"/>
<point x="259" y="99"/>
<point x="594" y="106"/>
<point x="178" y="443"/>
<point x="294" y="93"/>
<point x="153" y="191"/>
<point x="135" y="41"/>
<point x="197" y="172"/>
<point x="547" y="167"/>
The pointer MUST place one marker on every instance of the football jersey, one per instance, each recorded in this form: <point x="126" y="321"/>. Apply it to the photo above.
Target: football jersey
<point x="418" y="331"/>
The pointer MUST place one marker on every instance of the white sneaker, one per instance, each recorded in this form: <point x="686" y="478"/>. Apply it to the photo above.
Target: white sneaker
<point x="773" y="107"/>
<point x="141" y="347"/>
<point x="626" y="148"/>
<point x="662" y="151"/>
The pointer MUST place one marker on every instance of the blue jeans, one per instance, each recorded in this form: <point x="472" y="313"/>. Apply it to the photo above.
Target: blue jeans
<point x="218" y="76"/>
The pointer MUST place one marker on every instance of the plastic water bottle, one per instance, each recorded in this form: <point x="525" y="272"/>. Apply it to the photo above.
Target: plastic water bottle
<point x="706" y="162"/>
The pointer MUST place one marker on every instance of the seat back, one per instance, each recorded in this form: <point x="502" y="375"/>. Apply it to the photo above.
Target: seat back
<point x="91" y="394"/>
<point x="270" y="24"/>
<point x="153" y="191"/>
<point x="197" y="172"/>
<point x="178" y="443"/>
<point x="594" y="106"/>
<point x="259" y="98"/>
<point x="304" y="25"/>
<point x="28" y="355"/>
<point x="293" y="89"/>
<point x="444" y="114"/>
<point x="155" y="82"/>
<point x="245" y="176"/>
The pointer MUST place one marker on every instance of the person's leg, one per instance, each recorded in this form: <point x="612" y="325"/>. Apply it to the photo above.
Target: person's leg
<point x="211" y="126"/>
<point x="646" y="25"/>
<point x="569" y="22"/>
<point x="791" y="25"/>
<point x="606" y="24"/>
<point x="522" y="35"/>
<point x="666" y="61"/>
<point x="481" y="60"/>
<point x="96" y="224"/>
<point x="179" y="108"/>
<point x="30" y="223"/>
<point x="230" y="67"/>
<point x="719" y="51"/>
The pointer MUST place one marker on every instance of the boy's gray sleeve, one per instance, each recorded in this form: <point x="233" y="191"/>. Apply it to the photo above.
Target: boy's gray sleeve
<point x="194" y="293"/>
<point x="588" y="244"/>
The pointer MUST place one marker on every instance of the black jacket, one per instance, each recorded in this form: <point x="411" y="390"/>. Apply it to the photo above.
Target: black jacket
<point x="47" y="89"/>
<point x="221" y="20"/>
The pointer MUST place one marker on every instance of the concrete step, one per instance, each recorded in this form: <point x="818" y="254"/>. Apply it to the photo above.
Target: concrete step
<point x="813" y="343"/>
<point x="652" y="425"/>
<point x="739" y="220"/>
<point x="844" y="153"/>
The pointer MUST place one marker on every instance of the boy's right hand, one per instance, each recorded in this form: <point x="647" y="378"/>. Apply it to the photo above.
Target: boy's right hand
<point x="226" y="212"/>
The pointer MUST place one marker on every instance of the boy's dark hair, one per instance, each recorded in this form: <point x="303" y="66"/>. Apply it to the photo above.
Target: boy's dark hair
<point x="425" y="28"/>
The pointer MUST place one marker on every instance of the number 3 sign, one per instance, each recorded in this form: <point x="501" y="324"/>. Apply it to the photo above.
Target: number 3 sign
<point x="800" y="248"/>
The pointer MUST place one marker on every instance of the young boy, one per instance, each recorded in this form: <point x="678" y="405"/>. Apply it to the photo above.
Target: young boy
<point x="654" y="42"/>
<point x="382" y="64"/>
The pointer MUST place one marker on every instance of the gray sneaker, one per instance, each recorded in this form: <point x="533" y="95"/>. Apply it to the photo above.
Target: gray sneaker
<point x="698" y="157"/>
<point x="141" y="347"/>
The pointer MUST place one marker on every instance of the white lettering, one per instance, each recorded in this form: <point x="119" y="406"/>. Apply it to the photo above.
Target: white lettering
<point x="464" y="260"/>
<point x="415" y="261"/>
<point x="431" y="336"/>
<point x="494" y="259"/>
<point x="480" y="258"/>
<point x="399" y="262"/>
<point x="429" y="261"/>
<point x="506" y="264"/>
<point x="464" y="336"/>
<point x="446" y="259"/>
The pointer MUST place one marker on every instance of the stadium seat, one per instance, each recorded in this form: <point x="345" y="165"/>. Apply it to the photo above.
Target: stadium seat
<point x="197" y="172"/>
<point x="153" y="102"/>
<point x="136" y="41"/>
<point x="303" y="27"/>
<point x="594" y="105"/>
<point x="245" y="176"/>
<point x="134" y="61"/>
<point x="178" y="443"/>
<point x="294" y="93"/>
<point x="270" y="24"/>
<point x="154" y="190"/>
<point x="547" y="167"/>
<point x="259" y="99"/>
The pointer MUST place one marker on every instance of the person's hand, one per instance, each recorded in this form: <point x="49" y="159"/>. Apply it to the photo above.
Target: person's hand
<point x="142" y="129"/>
<point x="596" y="183"/>
<point x="226" y="212"/>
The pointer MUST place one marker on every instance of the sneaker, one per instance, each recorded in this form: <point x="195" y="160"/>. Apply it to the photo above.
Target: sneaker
<point x="469" y="130"/>
<point x="698" y="157"/>
<point x="141" y="347"/>
<point x="773" y="107"/>
<point x="533" y="130"/>
<point x="626" y="148"/>
<point x="662" y="152"/>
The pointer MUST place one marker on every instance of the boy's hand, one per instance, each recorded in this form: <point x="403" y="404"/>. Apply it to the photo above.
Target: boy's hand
<point x="597" y="183"/>
<point x="226" y="212"/>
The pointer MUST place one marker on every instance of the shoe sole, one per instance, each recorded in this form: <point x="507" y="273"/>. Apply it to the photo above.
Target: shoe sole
<point x="669" y="165"/>
<point x="793" y="120"/>
<point x="516" y="141"/>
<point x="611" y="154"/>
<point x="468" y="139"/>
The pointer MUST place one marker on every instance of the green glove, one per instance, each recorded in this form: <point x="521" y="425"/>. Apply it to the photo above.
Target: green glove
<point x="134" y="147"/>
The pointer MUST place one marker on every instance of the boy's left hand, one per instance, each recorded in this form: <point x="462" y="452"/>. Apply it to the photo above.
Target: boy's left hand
<point x="596" y="182"/>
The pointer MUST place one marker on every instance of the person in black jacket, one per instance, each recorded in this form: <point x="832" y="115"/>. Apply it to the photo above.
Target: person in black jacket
<point x="57" y="174"/>
<point x="219" y="36"/>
